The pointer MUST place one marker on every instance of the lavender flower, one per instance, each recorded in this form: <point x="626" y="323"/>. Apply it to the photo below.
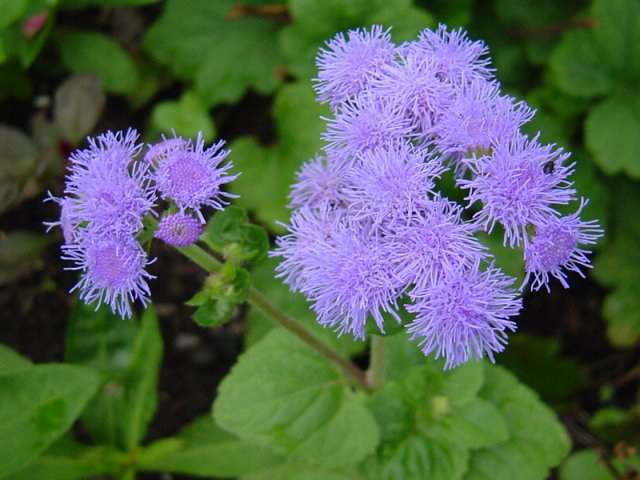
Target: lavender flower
<point x="465" y="315"/>
<point x="455" y="57"/>
<point x="159" y="151"/>
<point x="555" y="248"/>
<point x="363" y="125"/>
<point x="109" y="191"/>
<point x="179" y="229"/>
<point x="69" y="228"/>
<point x="391" y="183"/>
<point x="347" y="65"/>
<point x="478" y="118"/>
<point x="113" y="270"/>
<point x="320" y="181"/>
<point x="191" y="176"/>
<point x="433" y="244"/>
<point x="516" y="189"/>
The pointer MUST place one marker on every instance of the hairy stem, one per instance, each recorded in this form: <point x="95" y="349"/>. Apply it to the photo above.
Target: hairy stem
<point x="256" y="299"/>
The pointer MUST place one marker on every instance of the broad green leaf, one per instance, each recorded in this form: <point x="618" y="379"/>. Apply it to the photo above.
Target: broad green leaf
<point x="89" y="51"/>
<point x="419" y="456"/>
<point x="38" y="405"/>
<point x="140" y="396"/>
<point x="537" y="441"/>
<point x="187" y="117"/>
<point x="297" y="471"/>
<point x="611" y="133"/>
<point x="11" y="10"/>
<point x="283" y="395"/>
<point x="621" y="309"/>
<point x="475" y="424"/>
<point x="267" y="173"/>
<point x="67" y="459"/>
<point x="585" y="465"/>
<point x="204" y="449"/>
<point x="105" y="3"/>
<point x="18" y="161"/>
<point x="11" y="361"/>
<point x="400" y="354"/>
<point x="15" y="41"/>
<point x="224" y="56"/>
<point x="20" y="252"/>
<point x="462" y="383"/>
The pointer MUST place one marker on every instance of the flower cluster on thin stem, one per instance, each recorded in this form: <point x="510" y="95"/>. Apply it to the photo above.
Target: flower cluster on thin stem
<point x="111" y="188"/>
<point x="371" y="234"/>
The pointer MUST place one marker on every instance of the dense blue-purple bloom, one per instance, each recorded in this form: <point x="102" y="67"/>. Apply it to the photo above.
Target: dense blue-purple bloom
<point x="179" y="229"/>
<point x="348" y="64"/>
<point x="370" y="229"/>
<point x="191" y="176"/>
<point x="555" y="248"/>
<point x="113" y="270"/>
<point x="465" y="315"/>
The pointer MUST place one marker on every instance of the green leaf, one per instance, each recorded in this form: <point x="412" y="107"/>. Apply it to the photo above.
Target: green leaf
<point x="224" y="56"/>
<point x="11" y="361"/>
<point x="536" y="443"/>
<point x="230" y="233"/>
<point x="21" y="252"/>
<point x="89" y="51"/>
<point x="140" y="395"/>
<point x="283" y="395"/>
<point x="187" y="117"/>
<point x="129" y="358"/>
<point x="475" y="424"/>
<point x="11" y="10"/>
<point x="18" y="162"/>
<point x="267" y="173"/>
<point x="585" y="465"/>
<point x="213" y="312"/>
<point x="38" y="405"/>
<point x="204" y="449"/>
<point x="67" y="459"/>
<point x="611" y="133"/>
<point x="106" y="3"/>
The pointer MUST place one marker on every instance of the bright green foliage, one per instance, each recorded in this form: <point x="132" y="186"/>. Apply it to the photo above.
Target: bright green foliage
<point x="14" y="43"/>
<point x="605" y="61"/>
<point x="286" y="397"/>
<point x="202" y="448"/>
<point x="128" y="356"/>
<point x="186" y="116"/>
<point x="11" y="361"/>
<point x="39" y="404"/>
<point x="588" y="465"/>
<point x="88" y="51"/>
<point x="223" y="55"/>
<point x="473" y="422"/>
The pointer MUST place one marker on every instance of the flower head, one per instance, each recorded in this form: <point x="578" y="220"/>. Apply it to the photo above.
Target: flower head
<point x="191" y="176"/>
<point x="516" y="189"/>
<point x="319" y="181"/>
<point x="113" y="270"/>
<point x="555" y="248"/>
<point x="347" y="64"/>
<point x="465" y="315"/>
<point x="179" y="229"/>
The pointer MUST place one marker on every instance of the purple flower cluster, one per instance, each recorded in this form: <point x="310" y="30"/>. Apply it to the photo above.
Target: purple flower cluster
<point x="370" y="232"/>
<point x="109" y="192"/>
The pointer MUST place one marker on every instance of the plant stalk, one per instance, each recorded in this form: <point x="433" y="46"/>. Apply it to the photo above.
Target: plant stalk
<point x="375" y="374"/>
<point x="256" y="299"/>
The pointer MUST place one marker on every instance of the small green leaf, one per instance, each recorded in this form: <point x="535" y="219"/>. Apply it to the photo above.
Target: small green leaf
<point x="38" y="405"/>
<point x="11" y="361"/>
<point x="611" y="133"/>
<point x="585" y="465"/>
<point x="187" y="117"/>
<point x="213" y="312"/>
<point x="204" y="449"/>
<point x="89" y="51"/>
<point x="282" y="395"/>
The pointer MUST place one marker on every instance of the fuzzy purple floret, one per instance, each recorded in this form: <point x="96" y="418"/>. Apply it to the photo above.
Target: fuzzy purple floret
<point x="192" y="176"/>
<point x="179" y="229"/>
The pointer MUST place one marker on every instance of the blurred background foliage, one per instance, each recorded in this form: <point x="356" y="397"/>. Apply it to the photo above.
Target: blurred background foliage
<point x="241" y="70"/>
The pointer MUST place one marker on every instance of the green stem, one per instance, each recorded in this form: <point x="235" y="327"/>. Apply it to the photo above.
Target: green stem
<point x="375" y="373"/>
<point x="258" y="300"/>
